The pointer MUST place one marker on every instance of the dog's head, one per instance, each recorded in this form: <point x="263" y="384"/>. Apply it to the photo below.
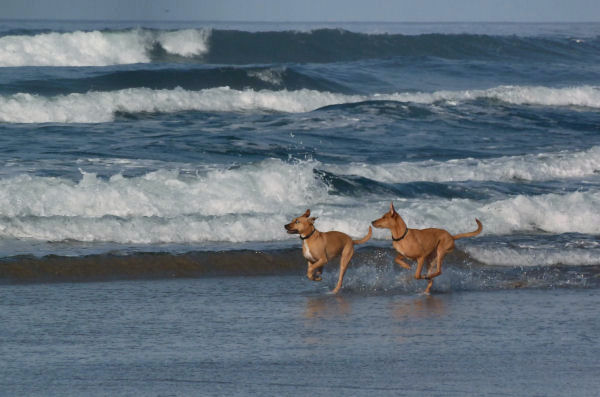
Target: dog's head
<point x="388" y="220"/>
<point x="301" y="225"/>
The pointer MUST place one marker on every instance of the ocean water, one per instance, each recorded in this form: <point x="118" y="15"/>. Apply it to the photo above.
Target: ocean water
<point x="136" y="153"/>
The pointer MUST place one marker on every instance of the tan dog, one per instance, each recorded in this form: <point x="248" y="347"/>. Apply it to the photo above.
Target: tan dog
<point x="320" y="247"/>
<point x="420" y="244"/>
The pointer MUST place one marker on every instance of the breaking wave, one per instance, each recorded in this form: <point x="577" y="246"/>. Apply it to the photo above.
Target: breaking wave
<point x="530" y="167"/>
<point x="251" y="203"/>
<point x="97" y="107"/>
<point x="111" y="47"/>
<point x="99" y="48"/>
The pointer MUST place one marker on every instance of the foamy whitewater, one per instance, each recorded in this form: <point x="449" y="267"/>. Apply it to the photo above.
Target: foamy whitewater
<point x="98" y="107"/>
<point x="98" y="48"/>
<point x="154" y="137"/>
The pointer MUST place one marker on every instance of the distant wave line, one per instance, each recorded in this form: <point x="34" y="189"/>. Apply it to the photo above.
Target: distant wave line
<point x="114" y="47"/>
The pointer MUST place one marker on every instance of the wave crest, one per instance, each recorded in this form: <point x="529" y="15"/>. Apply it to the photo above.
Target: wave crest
<point x="99" y="48"/>
<point x="97" y="107"/>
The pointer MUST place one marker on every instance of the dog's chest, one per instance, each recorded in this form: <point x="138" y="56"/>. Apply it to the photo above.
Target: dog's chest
<point x="306" y="252"/>
<point x="398" y="248"/>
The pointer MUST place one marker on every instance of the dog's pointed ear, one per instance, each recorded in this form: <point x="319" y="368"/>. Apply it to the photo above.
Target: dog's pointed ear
<point x="307" y="213"/>
<point x="392" y="209"/>
<point x="313" y="219"/>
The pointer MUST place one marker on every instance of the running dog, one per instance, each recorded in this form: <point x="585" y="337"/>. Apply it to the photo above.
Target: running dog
<point x="320" y="247"/>
<point x="422" y="245"/>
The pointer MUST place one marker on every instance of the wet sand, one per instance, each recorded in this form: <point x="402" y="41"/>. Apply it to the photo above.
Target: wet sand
<point x="283" y="335"/>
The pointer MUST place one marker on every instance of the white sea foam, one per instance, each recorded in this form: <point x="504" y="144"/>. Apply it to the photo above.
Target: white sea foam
<point x="538" y="167"/>
<point x="251" y="203"/>
<point x="187" y="42"/>
<point x="96" y="107"/>
<point x="271" y="76"/>
<point x="98" y="48"/>
<point x="259" y="188"/>
<point x="243" y="204"/>
<point x="534" y="257"/>
<point x="584" y="96"/>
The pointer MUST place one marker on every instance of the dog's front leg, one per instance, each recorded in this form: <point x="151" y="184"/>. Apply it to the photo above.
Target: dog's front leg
<point x="399" y="261"/>
<point x="312" y="267"/>
<point x="418" y="276"/>
<point x="420" y="262"/>
<point x="318" y="274"/>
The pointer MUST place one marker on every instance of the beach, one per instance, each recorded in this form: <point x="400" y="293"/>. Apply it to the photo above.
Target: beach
<point x="274" y="335"/>
<point x="147" y="170"/>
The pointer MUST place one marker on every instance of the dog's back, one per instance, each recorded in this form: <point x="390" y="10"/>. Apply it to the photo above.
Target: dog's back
<point x="335" y="242"/>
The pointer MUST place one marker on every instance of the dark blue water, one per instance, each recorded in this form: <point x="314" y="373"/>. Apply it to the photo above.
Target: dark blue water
<point x="178" y="150"/>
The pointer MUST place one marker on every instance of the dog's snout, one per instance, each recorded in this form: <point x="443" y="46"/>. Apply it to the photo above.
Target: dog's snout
<point x="290" y="228"/>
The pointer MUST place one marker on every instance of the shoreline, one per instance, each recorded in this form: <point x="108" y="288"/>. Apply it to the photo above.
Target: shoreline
<point x="371" y="270"/>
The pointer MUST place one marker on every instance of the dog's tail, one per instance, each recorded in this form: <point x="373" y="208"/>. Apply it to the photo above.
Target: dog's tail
<point x="470" y="234"/>
<point x="364" y="239"/>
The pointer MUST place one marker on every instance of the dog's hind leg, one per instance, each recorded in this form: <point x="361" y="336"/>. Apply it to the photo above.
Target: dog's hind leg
<point x="429" y="285"/>
<point x="441" y="253"/>
<point x="344" y="260"/>
<point x="438" y="269"/>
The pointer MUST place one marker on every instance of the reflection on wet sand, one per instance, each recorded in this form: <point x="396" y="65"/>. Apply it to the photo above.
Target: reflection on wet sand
<point x="404" y="319"/>
<point x="326" y="306"/>
<point x="406" y="308"/>
<point x="418" y="308"/>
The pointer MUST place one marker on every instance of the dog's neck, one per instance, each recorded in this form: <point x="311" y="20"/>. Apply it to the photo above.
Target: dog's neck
<point x="400" y="230"/>
<point x="309" y="234"/>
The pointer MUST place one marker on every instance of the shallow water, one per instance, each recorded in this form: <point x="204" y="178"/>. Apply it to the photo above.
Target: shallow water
<point x="286" y="336"/>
